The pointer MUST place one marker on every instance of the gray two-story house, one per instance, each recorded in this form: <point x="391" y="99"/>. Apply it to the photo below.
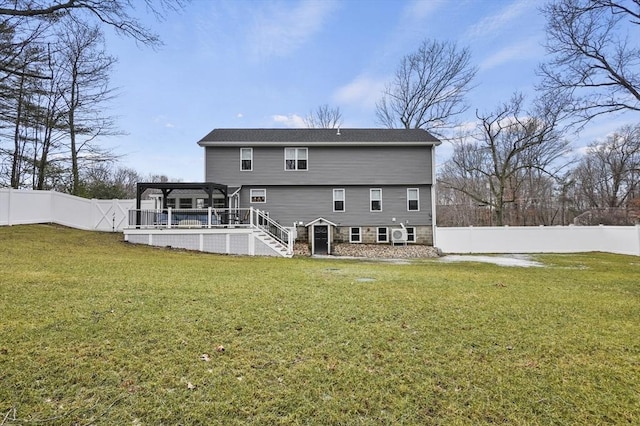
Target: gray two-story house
<point x="331" y="185"/>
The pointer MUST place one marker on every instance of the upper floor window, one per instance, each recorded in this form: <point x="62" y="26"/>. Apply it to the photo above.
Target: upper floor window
<point x="338" y="200"/>
<point x="246" y="159"/>
<point x="295" y="158"/>
<point x="375" y="198"/>
<point x="413" y="199"/>
<point x="258" y="195"/>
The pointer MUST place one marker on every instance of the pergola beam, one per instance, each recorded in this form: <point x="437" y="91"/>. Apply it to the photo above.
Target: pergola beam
<point x="168" y="187"/>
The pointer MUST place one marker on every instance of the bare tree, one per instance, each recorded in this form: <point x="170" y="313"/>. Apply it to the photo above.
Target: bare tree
<point x="608" y="175"/>
<point x="429" y="88"/>
<point x="595" y="55"/>
<point x="512" y="148"/>
<point x="17" y="37"/>
<point x="52" y="86"/>
<point x="85" y="92"/>
<point x="324" y="117"/>
<point x="20" y="114"/>
<point x="104" y="181"/>
<point x="118" y="14"/>
<point x="27" y="22"/>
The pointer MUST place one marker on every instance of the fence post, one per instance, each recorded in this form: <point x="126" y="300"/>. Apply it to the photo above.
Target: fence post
<point x="168" y="217"/>
<point x="92" y="215"/>
<point x="251" y="216"/>
<point x="209" y="217"/>
<point x="290" y="241"/>
<point x="9" y="207"/>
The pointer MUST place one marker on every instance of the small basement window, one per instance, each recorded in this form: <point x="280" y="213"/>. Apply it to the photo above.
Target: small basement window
<point x="383" y="236"/>
<point x="355" y="235"/>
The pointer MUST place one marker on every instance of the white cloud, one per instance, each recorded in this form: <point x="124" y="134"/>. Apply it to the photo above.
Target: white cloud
<point x="290" y="120"/>
<point x="280" y="30"/>
<point x="491" y="25"/>
<point x="163" y="120"/>
<point x="239" y="115"/>
<point x="417" y="10"/>
<point x="525" y="49"/>
<point x="363" y="90"/>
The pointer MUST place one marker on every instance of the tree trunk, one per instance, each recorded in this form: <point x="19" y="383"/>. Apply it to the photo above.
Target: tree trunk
<point x="17" y="147"/>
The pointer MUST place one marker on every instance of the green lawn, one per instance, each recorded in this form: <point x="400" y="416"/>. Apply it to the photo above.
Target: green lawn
<point x="96" y="331"/>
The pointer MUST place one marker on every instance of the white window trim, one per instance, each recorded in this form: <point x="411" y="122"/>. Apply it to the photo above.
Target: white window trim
<point x="351" y="240"/>
<point x="412" y="234"/>
<point x="416" y="199"/>
<point x="251" y="159"/>
<point x="371" y="200"/>
<point x="378" y="240"/>
<point x="295" y="159"/>
<point x="344" y="201"/>
<point x="251" y="195"/>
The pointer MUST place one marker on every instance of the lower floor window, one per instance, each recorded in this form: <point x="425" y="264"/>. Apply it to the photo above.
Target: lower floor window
<point x="186" y="203"/>
<point x="411" y="234"/>
<point x="354" y="235"/>
<point x="383" y="237"/>
<point x="258" y="195"/>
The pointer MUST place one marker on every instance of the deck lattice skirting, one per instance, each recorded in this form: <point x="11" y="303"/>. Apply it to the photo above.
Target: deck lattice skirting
<point x="241" y="241"/>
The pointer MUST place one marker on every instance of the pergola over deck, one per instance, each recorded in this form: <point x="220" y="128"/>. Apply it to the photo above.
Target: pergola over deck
<point x="167" y="187"/>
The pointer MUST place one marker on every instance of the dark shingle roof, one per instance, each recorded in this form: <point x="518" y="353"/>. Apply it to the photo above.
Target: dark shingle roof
<point x="329" y="136"/>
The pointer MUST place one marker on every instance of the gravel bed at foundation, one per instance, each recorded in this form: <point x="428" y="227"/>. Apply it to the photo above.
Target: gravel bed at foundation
<point x="377" y="251"/>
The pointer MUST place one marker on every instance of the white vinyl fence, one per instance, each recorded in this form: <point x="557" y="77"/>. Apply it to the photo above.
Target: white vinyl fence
<point x="540" y="239"/>
<point x="26" y="207"/>
<point x="19" y="207"/>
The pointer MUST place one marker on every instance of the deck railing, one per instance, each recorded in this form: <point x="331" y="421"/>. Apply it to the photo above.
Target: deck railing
<point x="189" y="218"/>
<point x="211" y="218"/>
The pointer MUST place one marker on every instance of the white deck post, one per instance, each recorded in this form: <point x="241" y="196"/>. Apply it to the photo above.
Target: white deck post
<point x="290" y="242"/>
<point x="169" y="217"/>
<point x="209" y="217"/>
<point x="251" y="216"/>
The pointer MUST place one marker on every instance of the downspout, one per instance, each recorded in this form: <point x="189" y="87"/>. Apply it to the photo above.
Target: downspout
<point x="433" y="194"/>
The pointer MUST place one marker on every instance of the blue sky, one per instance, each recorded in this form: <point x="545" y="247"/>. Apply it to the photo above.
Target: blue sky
<point x="235" y="63"/>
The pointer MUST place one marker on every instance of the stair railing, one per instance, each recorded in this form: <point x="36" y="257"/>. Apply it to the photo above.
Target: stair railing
<point x="272" y="228"/>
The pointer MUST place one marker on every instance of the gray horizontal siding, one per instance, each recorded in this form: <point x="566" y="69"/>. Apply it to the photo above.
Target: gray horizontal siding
<point x="289" y="204"/>
<point x="401" y="165"/>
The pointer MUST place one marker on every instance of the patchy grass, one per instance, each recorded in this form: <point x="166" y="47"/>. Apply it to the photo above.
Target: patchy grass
<point x="95" y="331"/>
